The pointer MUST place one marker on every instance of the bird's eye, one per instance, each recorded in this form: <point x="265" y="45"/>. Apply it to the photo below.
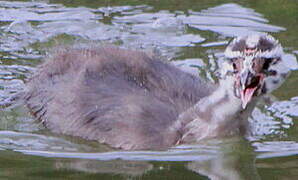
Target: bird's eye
<point x="234" y="63"/>
<point x="267" y="62"/>
<point x="233" y="59"/>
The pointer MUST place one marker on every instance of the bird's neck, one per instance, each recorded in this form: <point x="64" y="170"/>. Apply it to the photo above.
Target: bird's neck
<point x="219" y="114"/>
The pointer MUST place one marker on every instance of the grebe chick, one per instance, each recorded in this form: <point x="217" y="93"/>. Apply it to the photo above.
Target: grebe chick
<point x="133" y="101"/>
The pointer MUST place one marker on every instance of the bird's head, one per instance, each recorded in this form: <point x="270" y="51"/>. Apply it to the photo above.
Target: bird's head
<point x="256" y="65"/>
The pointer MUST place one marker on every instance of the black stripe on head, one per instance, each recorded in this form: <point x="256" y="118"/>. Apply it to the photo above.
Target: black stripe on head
<point x="264" y="44"/>
<point x="267" y="63"/>
<point x="239" y="45"/>
<point x="264" y="89"/>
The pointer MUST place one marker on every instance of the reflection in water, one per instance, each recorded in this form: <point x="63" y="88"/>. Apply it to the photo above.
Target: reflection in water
<point x="232" y="159"/>
<point x="131" y="168"/>
<point x="233" y="164"/>
<point x="28" y="29"/>
<point x="226" y="160"/>
<point x="216" y="160"/>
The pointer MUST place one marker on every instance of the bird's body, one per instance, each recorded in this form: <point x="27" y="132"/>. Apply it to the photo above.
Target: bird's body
<point x="119" y="97"/>
<point x="130" y="100"/>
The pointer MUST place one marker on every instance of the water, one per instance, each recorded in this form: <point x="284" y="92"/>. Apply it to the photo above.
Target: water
<point x="192" y="35"/>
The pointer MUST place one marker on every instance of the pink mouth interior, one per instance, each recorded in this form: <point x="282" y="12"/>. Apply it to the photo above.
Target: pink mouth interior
<point x="246" y="95"/>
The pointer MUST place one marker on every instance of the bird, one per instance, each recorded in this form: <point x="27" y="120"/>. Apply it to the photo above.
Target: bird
<point x="132" y="100"/>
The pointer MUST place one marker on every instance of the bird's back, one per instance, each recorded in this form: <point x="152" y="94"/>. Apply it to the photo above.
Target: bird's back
<point x="123" y="98"/>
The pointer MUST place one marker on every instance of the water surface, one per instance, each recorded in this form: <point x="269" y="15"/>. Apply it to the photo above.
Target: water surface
<point x="190" y="34"/>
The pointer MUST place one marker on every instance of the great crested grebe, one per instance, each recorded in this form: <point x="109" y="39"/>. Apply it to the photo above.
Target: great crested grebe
<point x="130" y="100"/>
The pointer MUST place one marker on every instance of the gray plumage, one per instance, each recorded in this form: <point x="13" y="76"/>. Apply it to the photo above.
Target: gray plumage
<point x="123" y="98"/>
<point x="130" y="100"/>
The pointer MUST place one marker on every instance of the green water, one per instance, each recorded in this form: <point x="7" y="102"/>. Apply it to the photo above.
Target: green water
<point x="29" y="28"/>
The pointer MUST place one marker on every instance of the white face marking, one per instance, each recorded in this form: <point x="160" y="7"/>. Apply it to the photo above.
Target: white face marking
<point x="248" y="63"/>
<point x="252" y="41"/>
<point x="274" y="81"/>
<point x="248" y="49"/>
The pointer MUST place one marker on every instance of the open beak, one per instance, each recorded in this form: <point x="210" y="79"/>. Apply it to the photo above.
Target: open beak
<point x="249" y="83"/>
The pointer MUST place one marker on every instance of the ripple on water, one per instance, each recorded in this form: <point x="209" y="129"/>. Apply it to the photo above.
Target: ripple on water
<point x="230" y="20"/>
<point x="270" y="149"/>
<point x="26" y="23"/>
<point x="139" y="28"/>
<point x="12" y="81"/>
<point x="183" y="153"/>
<point x="27" y="141"/>
<point x="108" y="11"/>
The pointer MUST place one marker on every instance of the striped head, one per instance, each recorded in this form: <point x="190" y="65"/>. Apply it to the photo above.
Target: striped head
<point x="257" y="65"/>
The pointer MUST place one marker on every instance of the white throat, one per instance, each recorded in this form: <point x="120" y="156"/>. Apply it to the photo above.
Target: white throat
<point x="219" y="114"/>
